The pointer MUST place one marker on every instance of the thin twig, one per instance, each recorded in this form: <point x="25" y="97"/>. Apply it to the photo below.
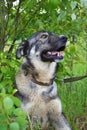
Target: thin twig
<point x="73" y="79"/>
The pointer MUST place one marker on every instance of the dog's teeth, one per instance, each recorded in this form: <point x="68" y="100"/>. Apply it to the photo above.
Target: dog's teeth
<point x="49" y="52"/>
<point x="58" y="54"/>
<point x="54" y="53"/>
<point x="62" y="54"/>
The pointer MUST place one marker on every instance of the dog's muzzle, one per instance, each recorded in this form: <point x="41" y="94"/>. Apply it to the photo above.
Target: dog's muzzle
<point x="55" y="53"/>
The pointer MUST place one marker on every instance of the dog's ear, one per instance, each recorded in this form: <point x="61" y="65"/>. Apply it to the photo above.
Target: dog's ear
<point x="22" y="49"/>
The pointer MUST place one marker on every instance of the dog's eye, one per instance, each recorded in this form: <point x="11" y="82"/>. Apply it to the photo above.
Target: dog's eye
<point x="44" y="36"/>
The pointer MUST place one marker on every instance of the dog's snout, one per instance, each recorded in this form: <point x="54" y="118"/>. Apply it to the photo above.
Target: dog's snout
<point x="63" y="38"/>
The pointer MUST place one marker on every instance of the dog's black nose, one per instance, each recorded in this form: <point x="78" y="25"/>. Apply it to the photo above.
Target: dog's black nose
<point x="63" y="38"/>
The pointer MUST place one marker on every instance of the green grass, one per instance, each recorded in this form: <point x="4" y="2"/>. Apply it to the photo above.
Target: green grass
<point x="74" y="103"/>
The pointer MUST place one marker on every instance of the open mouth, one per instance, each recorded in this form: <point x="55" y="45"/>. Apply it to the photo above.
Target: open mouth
<point x="53" y="55"/>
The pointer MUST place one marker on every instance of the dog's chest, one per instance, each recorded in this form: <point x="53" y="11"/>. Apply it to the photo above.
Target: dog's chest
<point x="35" y="102"/>
<point x="37" y="105"/>
<point x="36" y="98"/>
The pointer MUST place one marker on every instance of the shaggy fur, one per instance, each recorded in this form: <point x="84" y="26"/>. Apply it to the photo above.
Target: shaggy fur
<point x="37" y="90"/>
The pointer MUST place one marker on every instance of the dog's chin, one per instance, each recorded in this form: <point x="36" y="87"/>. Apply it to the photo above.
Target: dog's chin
<point x="53" y="55"/>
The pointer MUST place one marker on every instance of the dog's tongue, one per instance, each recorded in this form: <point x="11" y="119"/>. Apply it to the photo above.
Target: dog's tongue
<point x="55" y="53"/>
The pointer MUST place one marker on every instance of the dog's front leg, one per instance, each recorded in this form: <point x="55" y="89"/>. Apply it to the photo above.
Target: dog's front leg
<point x="56" y="116"/>
<point x="60" y="123"/>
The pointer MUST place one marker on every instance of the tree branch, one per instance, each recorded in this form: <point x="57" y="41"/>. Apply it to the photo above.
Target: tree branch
<point x="3" y="24"/>
<point x="17" y="15"/>
<point x="73" y="79"/>
<point x="12" y="46"/>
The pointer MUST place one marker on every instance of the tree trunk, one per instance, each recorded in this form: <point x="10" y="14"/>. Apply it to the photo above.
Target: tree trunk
<point x="3" y="25"/>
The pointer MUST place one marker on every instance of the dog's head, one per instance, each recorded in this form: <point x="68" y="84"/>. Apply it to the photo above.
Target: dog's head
<point x="43" y="45"/>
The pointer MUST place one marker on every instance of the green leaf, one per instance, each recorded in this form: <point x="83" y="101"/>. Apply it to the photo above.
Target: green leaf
<point x="16" y="101"/>
<point x="4" y="69"/>
<point x="73" y="4"/>
<point x="83" y="3"/>
<point x="19" y="112"/>
<point x="52" y="4"/>
<point x="72" y="49"/>
<point x="22" y="121"/>
<point x="8" y="103"/>
<point x="14" y="126"/>
<point x="73" y="16"/>
<point x="62" y="15"/>
<point x="3" y="90"/>
<point x="3" y="127"/>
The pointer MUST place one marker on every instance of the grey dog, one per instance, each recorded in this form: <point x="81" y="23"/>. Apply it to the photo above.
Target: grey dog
<point x="35" y="84"/>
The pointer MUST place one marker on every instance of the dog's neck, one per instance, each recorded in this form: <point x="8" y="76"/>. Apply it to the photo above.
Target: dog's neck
<point x="42" y="74"/>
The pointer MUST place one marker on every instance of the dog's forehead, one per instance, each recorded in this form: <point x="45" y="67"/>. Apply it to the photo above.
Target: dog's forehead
<point x="34" y="37"/>
<point x="38" y="34"/>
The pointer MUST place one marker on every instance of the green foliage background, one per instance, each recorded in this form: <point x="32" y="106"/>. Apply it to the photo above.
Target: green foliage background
<point x="18" y="20"/>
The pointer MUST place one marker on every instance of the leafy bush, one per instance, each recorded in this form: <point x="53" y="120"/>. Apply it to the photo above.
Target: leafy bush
<point x="11" y="115"/>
